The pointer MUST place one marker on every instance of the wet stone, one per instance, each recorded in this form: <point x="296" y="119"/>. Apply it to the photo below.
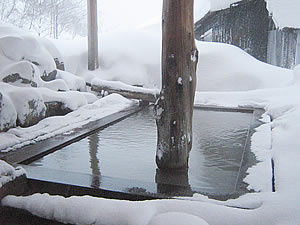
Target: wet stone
<point x="50" y="76"/>
<point x="12" y="78"/>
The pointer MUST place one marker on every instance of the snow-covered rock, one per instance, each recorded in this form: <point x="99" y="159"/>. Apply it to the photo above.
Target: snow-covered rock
<point x="71" y="99"/>
<point x="74" y="82"/>
<point x="56" y="85"/>
<point x="51" y="126"/>
<point x="8" y="113"/>
<point x="28" y="48"/>
<point x="49" y="76"/>
<point x="54" y="52"/>
<point x="28" y="102"/>
<point x="21" y="74"/>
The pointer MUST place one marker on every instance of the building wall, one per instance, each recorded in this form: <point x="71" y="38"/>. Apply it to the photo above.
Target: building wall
<point x="245" y="24"/>
<point x="298" y="48"/>
<point x="282" y="48"/>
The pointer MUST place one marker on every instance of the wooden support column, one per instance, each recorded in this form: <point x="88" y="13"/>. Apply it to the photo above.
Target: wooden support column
<point x="93" y="62"/>
<point x="174" y="108"/>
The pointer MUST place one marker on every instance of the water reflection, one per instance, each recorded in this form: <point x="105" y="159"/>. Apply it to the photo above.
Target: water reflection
<point x="173" y="182"/>
<point x="217" y="153"/>
<point x="93" y="141"/>
<point x="127" y="150"/>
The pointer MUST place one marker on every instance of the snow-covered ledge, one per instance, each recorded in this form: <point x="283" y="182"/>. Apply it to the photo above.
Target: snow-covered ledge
<point x="19" y="137"/>
<point x="8" y="177"/>
<point x="108" y="87"/>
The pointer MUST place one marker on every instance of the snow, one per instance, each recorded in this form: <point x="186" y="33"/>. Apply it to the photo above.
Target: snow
<point x="51" y="126"/>
<point x="24" y="60"/>
<point x="138" y="63"/>
<point x="179" y="80"/>
<point x="233" y="65"/>
<point x="26" y="70"/>
<point x="9" y="173"/>
<point x="227" y="77"/>
<point x="262" y="147"/>
<point x="28" y="49"/>
<point x="74" y="83"/>
<point x="176" y="218"/>
<point x="117" y="85"/>
<point x="8" y="115"/>
<point x="27" y="101"/>
<point x="285" y="14"/>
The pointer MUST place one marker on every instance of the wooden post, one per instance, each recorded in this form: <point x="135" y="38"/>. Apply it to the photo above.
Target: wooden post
<point x="92" y="35"/>
<point x="174" y="108"/>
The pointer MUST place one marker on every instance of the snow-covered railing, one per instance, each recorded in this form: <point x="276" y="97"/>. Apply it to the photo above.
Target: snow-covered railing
<point x="128" y="91"/>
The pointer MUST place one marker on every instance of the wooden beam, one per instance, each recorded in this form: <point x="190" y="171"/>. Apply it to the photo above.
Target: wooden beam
<point x="174" y="109"/>
<point x="93" y="62"/>
<point x="128" y="91"/>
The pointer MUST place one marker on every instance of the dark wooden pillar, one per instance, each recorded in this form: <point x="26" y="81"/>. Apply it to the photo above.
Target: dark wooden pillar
<point x="174" y="109"/>
<point x="93" y="62"/>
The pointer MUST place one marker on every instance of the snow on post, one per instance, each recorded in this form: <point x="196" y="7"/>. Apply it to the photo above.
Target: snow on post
<point x="174" y="108"/>
<point x="92" y="35"/>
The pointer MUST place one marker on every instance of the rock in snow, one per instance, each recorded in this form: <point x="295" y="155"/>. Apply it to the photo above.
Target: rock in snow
<point x="21" y="74"/>
<point x="32" y="80"/>
<point x="8" y="113"/>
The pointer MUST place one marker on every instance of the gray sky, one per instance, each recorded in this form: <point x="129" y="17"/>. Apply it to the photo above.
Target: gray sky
<point x="116" y="14"/>
<point x="124" y="14"/>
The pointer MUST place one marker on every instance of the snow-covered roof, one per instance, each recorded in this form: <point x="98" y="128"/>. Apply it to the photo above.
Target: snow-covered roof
<point x="285" y="12"/>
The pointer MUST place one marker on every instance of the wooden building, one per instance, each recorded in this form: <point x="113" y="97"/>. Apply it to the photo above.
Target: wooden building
<point x="249" y="25"/>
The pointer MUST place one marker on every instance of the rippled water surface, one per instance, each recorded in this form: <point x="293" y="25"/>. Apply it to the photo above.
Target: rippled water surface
<point x="127" y="150"/>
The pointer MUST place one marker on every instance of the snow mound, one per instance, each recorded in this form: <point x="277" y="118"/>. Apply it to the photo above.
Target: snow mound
<point x="133" y="57"/>
<point x="74" y="82"/>
<point x="21" y="74"/>
<point x="27" y="102"/>
<point x="296" y="79"/>
<point x="31" y="80"/>
<point x="18" y="48"/>
<point x="235" y="70"/>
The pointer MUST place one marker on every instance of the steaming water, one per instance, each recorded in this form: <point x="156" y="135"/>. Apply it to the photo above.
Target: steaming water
<point x="127" y="150"/>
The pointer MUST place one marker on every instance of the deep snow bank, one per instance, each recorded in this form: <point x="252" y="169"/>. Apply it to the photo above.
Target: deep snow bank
<point x="233" y="70"/>
<point x="133" y="57"/>
<point x="265" y="207"/>
<point x="32" y="79"/>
